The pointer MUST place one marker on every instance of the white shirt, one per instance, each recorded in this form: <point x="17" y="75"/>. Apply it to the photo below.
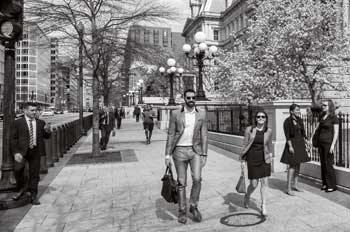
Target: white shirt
<point x="34" y="128"/>
<point x="187" y="136"/>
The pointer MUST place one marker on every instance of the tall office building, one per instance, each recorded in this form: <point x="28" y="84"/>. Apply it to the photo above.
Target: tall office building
<point x="33" y="66"/>
<point x="54" y="72"/>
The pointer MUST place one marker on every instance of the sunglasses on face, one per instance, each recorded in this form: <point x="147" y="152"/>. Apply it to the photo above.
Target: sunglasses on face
<point x="260" y="116"/>
<point x="189" y="98"/>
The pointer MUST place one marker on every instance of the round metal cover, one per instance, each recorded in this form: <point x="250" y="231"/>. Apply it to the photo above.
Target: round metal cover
<point x="242" y="219"/>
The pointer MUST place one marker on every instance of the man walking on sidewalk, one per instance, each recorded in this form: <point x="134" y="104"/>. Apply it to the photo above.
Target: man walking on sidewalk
<point x="27" y="145"/>
<point x="188" y="145"/>
<point x="107" y="124"/>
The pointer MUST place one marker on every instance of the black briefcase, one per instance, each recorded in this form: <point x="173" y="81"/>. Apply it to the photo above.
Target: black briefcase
<point x="169" y="188"/>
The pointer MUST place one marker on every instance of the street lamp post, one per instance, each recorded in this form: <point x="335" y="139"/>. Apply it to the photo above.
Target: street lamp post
<point x="171" y="73"/>
<point x="80" y="86"/>
<point x="200" y="52"/>
<point x="140" y="85"/>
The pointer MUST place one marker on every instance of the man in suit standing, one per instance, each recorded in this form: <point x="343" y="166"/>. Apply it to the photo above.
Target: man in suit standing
<point x="187" y="143"/>
<point x="119" y="115"/>
<point x="27" y="145"/>
<point x="107" y="124"/>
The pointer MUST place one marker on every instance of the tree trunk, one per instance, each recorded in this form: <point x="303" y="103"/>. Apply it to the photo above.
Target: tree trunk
<point x="96" y="95"/>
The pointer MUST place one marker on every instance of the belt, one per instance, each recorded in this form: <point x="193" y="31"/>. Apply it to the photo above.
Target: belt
<point x="185" y="146"/>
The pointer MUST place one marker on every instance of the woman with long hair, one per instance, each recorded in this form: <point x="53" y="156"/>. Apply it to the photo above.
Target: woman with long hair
<point x="295" y="149"/>
<point x="257" y="153"/>
<point x="328" y="129"/>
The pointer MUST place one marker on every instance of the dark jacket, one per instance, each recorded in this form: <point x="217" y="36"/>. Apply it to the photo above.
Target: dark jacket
<point x="20" y="137"/>
<point x="289" y="127"/>
<point x="111" y="124"/>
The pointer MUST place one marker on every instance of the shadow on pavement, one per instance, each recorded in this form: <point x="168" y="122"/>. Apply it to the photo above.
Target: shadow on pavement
<point x="166" y="211"/>
<point x="235" y="202"/>
<point x="277" y="184"/>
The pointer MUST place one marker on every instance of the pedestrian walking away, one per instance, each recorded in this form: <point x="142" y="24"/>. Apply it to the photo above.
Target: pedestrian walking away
<point x="107" y="124"/>
<point x="119" y="114"/>
<point x="295" y="150"/>
<point x="137" y="112"/>
<point x="187" y="144"/>
<point x="27" y="146"/>
<point x="257" y="153"/>
<point x="326" y="133"/>
<point x="148" y="122"/>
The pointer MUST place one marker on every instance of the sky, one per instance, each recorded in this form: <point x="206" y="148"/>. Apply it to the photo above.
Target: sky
<point x="184" y="11"/>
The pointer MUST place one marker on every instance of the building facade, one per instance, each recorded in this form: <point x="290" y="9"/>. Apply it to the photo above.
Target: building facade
<point x="33" y="67"/>
<point x="224" y="23"/>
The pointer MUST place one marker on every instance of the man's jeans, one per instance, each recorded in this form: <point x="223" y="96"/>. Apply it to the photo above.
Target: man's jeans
<point x="182" y="157"/>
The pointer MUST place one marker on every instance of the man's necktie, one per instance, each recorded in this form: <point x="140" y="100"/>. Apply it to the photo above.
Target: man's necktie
<point x="31" y="134"/>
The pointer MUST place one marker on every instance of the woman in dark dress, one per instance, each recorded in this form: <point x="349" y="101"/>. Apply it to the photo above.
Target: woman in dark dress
<point x="257" y="152"/>
<point x="327" y="137"/>
<point x="295" y="149"/>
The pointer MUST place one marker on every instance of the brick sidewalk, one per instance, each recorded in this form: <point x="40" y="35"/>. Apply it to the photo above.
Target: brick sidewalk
<point x="125" y="196"/>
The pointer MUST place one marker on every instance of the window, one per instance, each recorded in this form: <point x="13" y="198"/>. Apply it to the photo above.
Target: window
<point x="147" y="36"/>
<point x="53" y="52"/>
<point x="53" y="58"/>
<point x="24" y="43"/>
<point x="18" y="74"/>
<point x="32" y="67"/>
<point x="24" y="66"/>
<point x="24" y="74"/>
<point x="216" y="34"/>
<point x="18" y="58"/>
<point x="165" y="38"/>
<point x="32" y="60"/>
<point x="137" y="36"/>
<point x="24" y="58"/>
<point x="24" y="81"/>
<point x="18" y="66"/>
<point x="156" y="37"/>
<point x="25" y="36"/>
<point x="24" y="51"/>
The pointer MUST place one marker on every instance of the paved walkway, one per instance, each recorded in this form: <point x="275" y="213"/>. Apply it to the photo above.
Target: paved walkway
<point x="125" y="196"/>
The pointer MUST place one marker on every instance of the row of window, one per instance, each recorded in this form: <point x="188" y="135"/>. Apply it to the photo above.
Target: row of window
<point x="135" y="35"/>
<point x="31" y="67"/>
<point x="238" y="23"/>
<point x="24" y="81"/>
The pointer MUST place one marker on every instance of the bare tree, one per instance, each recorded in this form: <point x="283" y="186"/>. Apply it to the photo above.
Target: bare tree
<point x="101" y="18"/>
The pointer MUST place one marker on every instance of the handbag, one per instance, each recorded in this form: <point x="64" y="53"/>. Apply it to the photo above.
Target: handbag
<point x="169" y="187"/>
<point x="240" y="187"/>
<point x="315" y="137"/>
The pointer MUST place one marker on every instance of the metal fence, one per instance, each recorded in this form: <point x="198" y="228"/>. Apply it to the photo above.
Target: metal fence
<point x="233" y="119"/>
<point x="342" y="153"/>
<point x="229" y="119"/>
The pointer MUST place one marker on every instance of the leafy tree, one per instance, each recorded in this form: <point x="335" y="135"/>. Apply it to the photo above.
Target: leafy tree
<point x="289" y="45"/>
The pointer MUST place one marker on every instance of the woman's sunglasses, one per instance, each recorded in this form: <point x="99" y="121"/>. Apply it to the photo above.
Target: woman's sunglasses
<point x="260" y="116"/>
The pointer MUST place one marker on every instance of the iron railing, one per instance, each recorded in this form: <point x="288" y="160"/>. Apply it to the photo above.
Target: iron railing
<point x="229" y="119"/>
<point x="342" y="153"/>
<point x="233" y="119"/>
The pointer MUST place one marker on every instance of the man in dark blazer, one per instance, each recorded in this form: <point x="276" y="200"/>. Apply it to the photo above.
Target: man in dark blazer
<point x="107" y="124"/>
<point x="27" y="145"/>
<point x="187" y="144"/>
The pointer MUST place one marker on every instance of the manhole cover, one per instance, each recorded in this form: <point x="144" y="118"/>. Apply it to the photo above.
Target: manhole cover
<point x="242" y="219"/>
<point x="105" y="157"/>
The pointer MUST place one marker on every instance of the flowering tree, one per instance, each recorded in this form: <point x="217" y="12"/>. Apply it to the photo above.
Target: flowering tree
<point x="289" y="45"/>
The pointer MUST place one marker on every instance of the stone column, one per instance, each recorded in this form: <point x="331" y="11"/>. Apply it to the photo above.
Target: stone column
<point x="277" y="112"/>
